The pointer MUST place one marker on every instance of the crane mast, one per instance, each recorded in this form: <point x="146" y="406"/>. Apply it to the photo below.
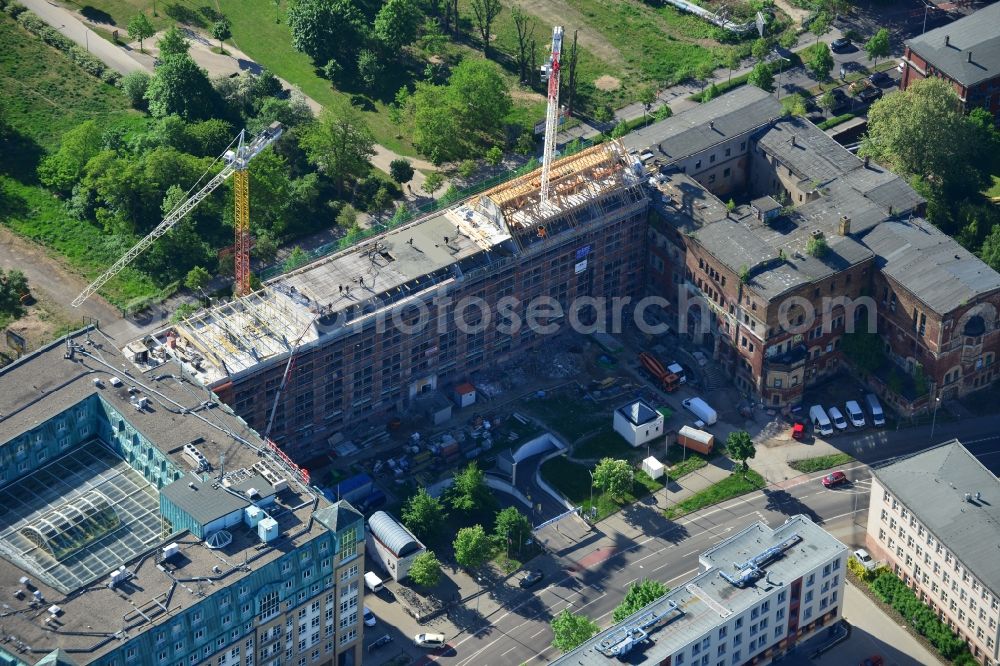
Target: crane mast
<point x="550" y="71"/>
<point x="236" y="162"/>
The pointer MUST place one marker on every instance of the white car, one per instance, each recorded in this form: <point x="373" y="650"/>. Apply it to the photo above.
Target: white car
<point x="428" y="640"/>
<point x="855" y="414"/>
<point x="862" y="556"/>
<point x="369" y="617"/>
<point x="838" y="419"/>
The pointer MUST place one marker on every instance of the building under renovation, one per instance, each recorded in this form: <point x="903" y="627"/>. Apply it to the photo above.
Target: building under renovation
<point x="374" y="326"/>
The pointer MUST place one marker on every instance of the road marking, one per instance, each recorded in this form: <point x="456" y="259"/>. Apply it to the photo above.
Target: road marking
<point x="690" y="554"/>
<point x="539" y="632"/>
<point x="683" y="575"/>
<point x="631" y="581"/>
<point x="504" y="654"/>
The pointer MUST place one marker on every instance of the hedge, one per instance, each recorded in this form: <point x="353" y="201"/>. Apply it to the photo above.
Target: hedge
<point x="57" y="40"/>
<point x="836" y="120"/>
<point x="723" y="87"/>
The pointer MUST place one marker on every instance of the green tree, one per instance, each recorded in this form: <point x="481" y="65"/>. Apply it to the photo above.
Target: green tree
<point x="762" y="77"/>
<point x="794" y="105"/>
<point x="466" y="169"/>
<point x="732" y="62"/>
<point x="614" y="477"/>
<point x="180" y="86"/>
<point x="820" y="25"/>
<point x="369" y="68"/>
<point x="525" y="144"/>
<point x="266" y="248"/>
<point x="827" y="101"/>
<point x="432" y="183"/>
<point x="619" y="130"/>
<point x="570" y="630"/>
<point x="663" y="113"/>
<point x="468" y="490"/>
<point x="479" y="92"/>
<point x="740" y="448"/>
<point x="485" y="12"/>
<point x="13" y="283"/>
<point x="639" y="595"/>
<point x="422" y="514"/>
<point x="647" y="95"/>
<point x="878" y="46"/>
<point x="511" y="527"/>
<point x="222" y="30"/>
<point x="340" y="143"/>
<point x="298" y="257"/>
<point x="64" y="168"/>
<point x="197" y="278"/>
<point x="817" y="247"/>
<point x="434" y="120"/>
<point x="327" y="29"/>
<point x="425" y="570"/>
<point x="347" y="218"/>
<point x="760" y="48"/>
<point x="820" y="61"/>
<point x="396" y="24"/>
<point x="140" y="28"/>
<point x="472" y="547"/>
<point x="401" y="171"/>
<point x="173" y="42"/>
<point x="990" y="252"/>
<point x="134" y="85"/>
<point x="494" y="157"/>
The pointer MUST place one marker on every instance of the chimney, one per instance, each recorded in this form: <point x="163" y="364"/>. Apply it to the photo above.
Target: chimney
<point x="791" y="142"/>
<point x="947" y="40"/>
<point x="970" y="56"/>
<point x="866" y="161"/>
<point x="845" y="225"/>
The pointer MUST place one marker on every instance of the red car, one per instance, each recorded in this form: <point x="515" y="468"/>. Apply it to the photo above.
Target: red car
<point x="798" y="431"/>
<point x="834" y="479"/>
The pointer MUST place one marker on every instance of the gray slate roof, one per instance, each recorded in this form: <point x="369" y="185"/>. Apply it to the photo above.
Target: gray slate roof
<point x="743" y="110"/>
<point x="930" y="265"/>
<point x="978" y="34"/>
<point x="394" y="536"/>
<point x="204" y="502"/>
<point x="340" y="515"/>
<point x="638" y="413"/>
<point x="933" y="485"/>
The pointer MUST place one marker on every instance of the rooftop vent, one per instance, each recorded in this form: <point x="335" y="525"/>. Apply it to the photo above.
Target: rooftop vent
<point x="947" y="40"/>
<point x="170" y="550"/>
<point x="116" y="382"/>
<point x="97" y="382"/>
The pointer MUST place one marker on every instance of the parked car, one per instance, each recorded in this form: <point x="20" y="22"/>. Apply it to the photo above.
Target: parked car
<point x="840" y="45"/>
<point x="798" y="431"/>
<point x="530" y="577"/>
<point x="901" y="67"/>
<point x="428" y="640"/>
<point x="369" y="617"/>
<point x="838" y="419"/>
<point x="880" y="79"/>
<point x="870" y="94"/>
<point x="875" y="409"/>
<point x="381" y="641"/>
<point x="862" y="556"/>
<point x="820" y="421"/>
<point x="834" y="479"/>
<point x="855" y="414"/>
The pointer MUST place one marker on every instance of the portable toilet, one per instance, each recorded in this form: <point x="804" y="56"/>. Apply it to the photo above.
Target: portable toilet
<point x="253" y="515"/>
<point x="267" y="529"/>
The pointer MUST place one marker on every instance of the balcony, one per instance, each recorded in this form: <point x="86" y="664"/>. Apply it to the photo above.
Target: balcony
<point x="789" y="360"/>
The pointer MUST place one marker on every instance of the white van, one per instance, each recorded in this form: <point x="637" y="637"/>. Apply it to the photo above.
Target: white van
<point x="855" y="414"/>
<point x="373" y="582"/>
<point x="878" y="416"/>
<point x="701" y="409"/>
<point x="838" y="419"/>
<point x="820" y="421"/>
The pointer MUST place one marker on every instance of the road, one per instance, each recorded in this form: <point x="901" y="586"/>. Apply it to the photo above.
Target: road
<point x="593" y="577"/>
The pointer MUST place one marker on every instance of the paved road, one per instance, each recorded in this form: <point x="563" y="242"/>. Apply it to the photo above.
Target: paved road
<point x="71" y="26"/>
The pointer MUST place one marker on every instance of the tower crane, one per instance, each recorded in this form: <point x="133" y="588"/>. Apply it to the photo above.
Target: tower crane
<point x="550" y="72"/>
<point x="236" y="163"/>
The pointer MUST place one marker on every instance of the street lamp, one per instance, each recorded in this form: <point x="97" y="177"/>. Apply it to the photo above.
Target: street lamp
<point x="937" y="402"/>
<point x="591" y="472"/>
<point x="479" y="581"/>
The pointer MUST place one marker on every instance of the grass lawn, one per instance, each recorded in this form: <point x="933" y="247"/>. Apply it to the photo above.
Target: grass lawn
<point x="820" y="462"/>
<point x="994" y="191"/>
<point x="680" y="463"/>
<point x="569" y="416"/>
<point x="605" y="444"/>
<point x="573" y="480"/>
<point x="45" y="95"/>
<point x="733" y="486"/>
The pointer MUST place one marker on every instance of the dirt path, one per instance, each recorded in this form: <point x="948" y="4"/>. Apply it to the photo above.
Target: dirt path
<point x="559" y="12"/>
<point x="797" y="13"/>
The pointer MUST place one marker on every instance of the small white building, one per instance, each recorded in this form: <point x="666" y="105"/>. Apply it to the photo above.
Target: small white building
<point x="638" y="423"/>
<point x="391" y="544"/>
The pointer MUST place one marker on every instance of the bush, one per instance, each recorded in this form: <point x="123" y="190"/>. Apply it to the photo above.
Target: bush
<point x="15" y="9"/>
<point x="134" y="85"/>
<point x="894" y="592"/>
<point x="56" y="39"/>
<point x="836" y="120"/>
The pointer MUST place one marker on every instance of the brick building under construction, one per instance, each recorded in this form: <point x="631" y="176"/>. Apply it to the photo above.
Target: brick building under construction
<point x="338" y="317"/>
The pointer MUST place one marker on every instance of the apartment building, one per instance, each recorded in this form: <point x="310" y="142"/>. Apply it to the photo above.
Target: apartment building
<point x="826" y="244"/>
<point x="934" y="518"/>
<point x="142" y="523"/>
<point x="965" y="53"/>
<point x="380" y="324"/>
<point x="760" y="593"/>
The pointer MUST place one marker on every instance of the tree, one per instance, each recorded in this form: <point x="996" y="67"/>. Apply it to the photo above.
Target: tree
<point x="401" y="171"/>
<point x="432" y="183"/>
<point x="369" y="68"/>
<point x="347" y="218"/>
<point x="466" y="169"/>
<point x="732" y="62"/>
<point x="468" y="490"/>
<point x="340" y="143"/>
<point x="647" y="96"/>
<point x="222" y="30"/>
<point x="472" y="547"/>
<point x="173" y="42"/>
<point x="760" y="48"/>
<point x="710" y="93"/>
<point x="494" y="157"/>
<point x="396" y="24"/>
<point x="140" y="28"/>
<point x="180" y="87"/>
<point x="425" y="570"/>
<point x="197" y="278"/>
<point x="794" y="105"/>
<point x="570" y="630"/>
<point x="741" y="448"/>
<point x="820" y="60"/>
<point x="13" y="284"/>
<point x="511" y="527"/>
<point x="478" y="90"/>
<point x="990" y="252"/>
<point x="613" y="476"/>
<point x="422" y="514"/>
<point x="761" y="77"/>
<point x="64" y="168"/>
<point x="297" y="258"/>
<point x="266" y="248"/>
<point x="485" y="12"/>
<point x="134" y="85"/>
<point x="639" y="595"/>
<point x="820" y="25"/>
<point x="878" y="46"/>
<point x="827" y="101"/>
<point x="524" y="26"/>
<point x="327" y="29"/>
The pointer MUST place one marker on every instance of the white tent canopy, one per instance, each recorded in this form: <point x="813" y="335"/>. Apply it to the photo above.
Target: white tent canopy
<point x="653" y="467"/>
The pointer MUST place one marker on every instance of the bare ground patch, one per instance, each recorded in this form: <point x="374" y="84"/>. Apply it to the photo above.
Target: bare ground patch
<point x="559" y="12"/>
<point x="608" y="83"/>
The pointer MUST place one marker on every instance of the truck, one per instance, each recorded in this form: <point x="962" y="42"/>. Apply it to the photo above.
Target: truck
<point x="696" y="440"/>
<point x="373" y="582"/>
<point x="668" y="381"/>
<point x="701" y="409"/>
